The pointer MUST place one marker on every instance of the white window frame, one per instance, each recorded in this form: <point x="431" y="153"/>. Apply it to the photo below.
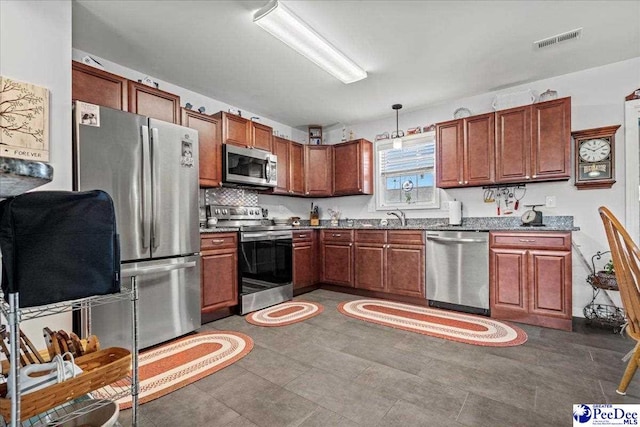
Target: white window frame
<point x="412" y="140"/>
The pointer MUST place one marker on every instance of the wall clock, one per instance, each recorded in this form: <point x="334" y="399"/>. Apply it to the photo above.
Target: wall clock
<point x="594" y="154"/>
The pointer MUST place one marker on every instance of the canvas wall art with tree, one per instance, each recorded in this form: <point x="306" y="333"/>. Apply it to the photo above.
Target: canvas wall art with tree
<point x="24" y="120"/>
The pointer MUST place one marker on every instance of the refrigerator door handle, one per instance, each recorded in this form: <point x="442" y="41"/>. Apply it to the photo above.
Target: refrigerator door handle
<point x="146" y="188"/>
<point x="156" y="269"/>
<point x="155" y="240"/>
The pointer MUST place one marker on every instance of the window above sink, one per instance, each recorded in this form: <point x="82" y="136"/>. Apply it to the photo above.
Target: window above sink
<point x="405" y="177"/>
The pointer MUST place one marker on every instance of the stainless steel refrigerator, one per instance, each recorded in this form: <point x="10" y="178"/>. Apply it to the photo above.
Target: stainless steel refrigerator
<point x="150" y="169"/>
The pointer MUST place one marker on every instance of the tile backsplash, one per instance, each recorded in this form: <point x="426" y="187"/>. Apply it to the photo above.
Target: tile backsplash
<point x="228" y="197"/>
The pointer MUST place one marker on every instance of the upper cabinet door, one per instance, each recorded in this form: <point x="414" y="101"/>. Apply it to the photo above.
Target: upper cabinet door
<point x="513" y="144"/>
<point x="90" y="84"/>
<point x="353" y="166"/>
<point x="155" y="103"/>
<point x="235" y="130"/>
<point x="449" y="152"/>
<point x="479" y="150"/>
<point x="261" y="136"/>
<point x="318" y="170"/>
<point x="296" y="168"/>
<point x="210" y="146"/>
<point x="551" y="146"/>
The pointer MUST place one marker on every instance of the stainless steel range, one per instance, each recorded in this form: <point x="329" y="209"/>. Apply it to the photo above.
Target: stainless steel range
<point x="264" y="256"/>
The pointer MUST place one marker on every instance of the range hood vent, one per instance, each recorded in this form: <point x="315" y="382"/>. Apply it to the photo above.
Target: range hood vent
<point x="560" y="38"/>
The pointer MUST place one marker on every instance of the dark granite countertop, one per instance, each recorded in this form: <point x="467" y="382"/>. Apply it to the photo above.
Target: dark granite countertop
<point x="219" y="230"/>
<point x="551" y="223"/>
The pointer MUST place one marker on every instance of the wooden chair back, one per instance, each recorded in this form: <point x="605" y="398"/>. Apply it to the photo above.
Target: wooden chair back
<point x="626" y="262"/>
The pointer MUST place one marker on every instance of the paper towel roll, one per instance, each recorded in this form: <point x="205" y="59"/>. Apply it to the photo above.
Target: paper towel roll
<point x="455" y="212"/>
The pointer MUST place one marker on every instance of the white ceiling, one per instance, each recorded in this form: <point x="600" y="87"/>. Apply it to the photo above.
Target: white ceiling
<point x="416" y="52"/>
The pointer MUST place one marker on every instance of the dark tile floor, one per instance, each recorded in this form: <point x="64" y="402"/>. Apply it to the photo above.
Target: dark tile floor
<point x="332" y="370"/>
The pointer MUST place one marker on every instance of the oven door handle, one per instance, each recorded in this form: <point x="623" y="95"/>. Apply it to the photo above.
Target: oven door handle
<point x="269" y="235"/>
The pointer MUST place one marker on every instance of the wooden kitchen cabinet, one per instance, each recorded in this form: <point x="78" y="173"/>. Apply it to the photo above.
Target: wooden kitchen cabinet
<point x="465" y="152"/>
<point x="304" y="259"/>
<point x="290" y="167"/>
<point x="391" y="261"/>
<point x="95" y="86"/>
<point x="530" y="278"/>
<point x="370" y="259"/>
<point x="155" y="103"/>
<point x="513" y="144"/>
<point x="235" y="129"/>
<point x="449" y="152"/>
<point x="353" y="168"/>
<point x="210" y="146"/>
<point x="406" y="262"/>
<point x="533" y="142"/>
<point x="296" y="168"/>
<point x="242" y="132"/>
<point x="219" y="256"/>
<point x="261" y="136"/>
<point x="336" y="247"/>
<point x="318" y="170"/>
<point x="551" y="142"/>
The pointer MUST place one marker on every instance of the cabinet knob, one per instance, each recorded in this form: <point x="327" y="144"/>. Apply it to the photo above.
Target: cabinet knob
<point x="301" y="235"/>
<point x="533" y="176"/>
<point x="307" y="192"/>
<point x="466" y="182"/>
<point x="336" y="235"/>
<point x="350" y="244"/>
<point x="217" y="241"/>
<point x="359" y="189"/>
<point x="459" y="182"/>
<point x="527" y="177"/>
<point x="527" y="240"/>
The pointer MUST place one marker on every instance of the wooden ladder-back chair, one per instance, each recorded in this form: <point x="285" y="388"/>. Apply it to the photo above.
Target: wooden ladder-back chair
<point x="626" y="262"/>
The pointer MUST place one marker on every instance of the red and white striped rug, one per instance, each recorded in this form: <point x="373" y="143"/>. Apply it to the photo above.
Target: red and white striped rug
<point x="171" y="366"/>
<point x="285" y="313"/>
<point x="451" y="325"/>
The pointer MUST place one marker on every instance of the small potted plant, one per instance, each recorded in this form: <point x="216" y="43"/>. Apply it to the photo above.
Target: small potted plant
<point x="606" y="279"/>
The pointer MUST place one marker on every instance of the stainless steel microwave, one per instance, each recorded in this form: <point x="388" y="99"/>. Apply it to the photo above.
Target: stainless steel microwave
<point x="249" y="166"/>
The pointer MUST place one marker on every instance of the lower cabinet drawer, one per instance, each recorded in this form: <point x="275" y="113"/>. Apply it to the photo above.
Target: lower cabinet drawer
<point x="406" y="237"/>
<point x="212" y="241"/>
<point x="337" y="235"/>
<point x="371" y="236"/>
<point x="302" y="236"/>
<point x="545" y="240"/>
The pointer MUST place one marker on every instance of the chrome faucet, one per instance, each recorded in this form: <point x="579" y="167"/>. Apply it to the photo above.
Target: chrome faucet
<point x="401" y="217"/>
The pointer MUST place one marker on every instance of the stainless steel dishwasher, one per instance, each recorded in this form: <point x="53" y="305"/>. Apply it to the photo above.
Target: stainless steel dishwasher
<point x="458" y="270"/>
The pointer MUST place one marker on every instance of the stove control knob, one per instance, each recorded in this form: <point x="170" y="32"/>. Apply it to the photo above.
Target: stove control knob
<point x="225" y="212"/>
<point x="217" y="211"/>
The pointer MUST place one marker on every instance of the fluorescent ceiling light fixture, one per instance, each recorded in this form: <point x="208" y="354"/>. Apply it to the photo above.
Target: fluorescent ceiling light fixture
<point x="281" y="23"/>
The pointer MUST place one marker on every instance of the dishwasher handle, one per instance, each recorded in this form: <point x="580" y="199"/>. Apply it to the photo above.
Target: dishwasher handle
<point x="454" y="239"/>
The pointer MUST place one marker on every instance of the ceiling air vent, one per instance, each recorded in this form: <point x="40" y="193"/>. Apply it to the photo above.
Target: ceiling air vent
<point x="560" y="38"/>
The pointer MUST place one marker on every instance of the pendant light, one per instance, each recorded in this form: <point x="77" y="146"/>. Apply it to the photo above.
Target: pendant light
<point x="397" y="136"/>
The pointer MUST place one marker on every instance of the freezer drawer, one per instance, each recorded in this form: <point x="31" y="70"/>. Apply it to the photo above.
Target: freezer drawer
<point x="168" y="304"/>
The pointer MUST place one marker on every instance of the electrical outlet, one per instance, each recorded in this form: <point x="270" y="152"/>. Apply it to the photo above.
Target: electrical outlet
<point x="550" y="201"/>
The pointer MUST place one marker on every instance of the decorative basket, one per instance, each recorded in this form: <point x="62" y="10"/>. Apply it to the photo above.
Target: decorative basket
<point x="603" y="280"/>
<point x="100" y="369"/>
